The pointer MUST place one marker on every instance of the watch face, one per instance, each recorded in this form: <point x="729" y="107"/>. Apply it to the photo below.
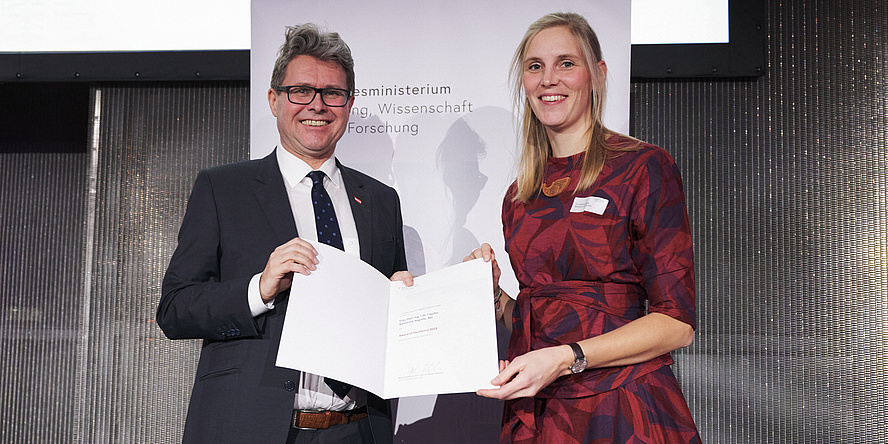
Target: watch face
<point x="578" y="365"/>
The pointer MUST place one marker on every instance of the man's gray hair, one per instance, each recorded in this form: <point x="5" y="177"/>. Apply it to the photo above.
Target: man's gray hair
<point x="307" y="39"/>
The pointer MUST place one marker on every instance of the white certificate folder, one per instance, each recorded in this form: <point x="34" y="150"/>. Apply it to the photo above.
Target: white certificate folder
<point x="349" y="322"/>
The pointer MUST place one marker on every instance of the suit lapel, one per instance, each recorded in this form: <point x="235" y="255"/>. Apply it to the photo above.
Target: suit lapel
<point x="360" y="203"/>
<point x="271" y="192"/>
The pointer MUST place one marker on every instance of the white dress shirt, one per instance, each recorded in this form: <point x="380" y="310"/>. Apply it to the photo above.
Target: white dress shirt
<point x="312" y="392"/>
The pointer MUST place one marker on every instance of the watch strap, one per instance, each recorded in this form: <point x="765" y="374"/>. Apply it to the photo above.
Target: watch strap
<point x="578" y="351"/>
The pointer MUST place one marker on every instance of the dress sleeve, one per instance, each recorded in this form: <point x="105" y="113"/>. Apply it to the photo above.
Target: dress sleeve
<point x="507" y="209"/>
<point x="661" y="246"/>
<point x="508" y="215"/>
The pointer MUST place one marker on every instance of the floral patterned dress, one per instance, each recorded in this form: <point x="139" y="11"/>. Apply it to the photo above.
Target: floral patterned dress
<point x="588" y="263"/>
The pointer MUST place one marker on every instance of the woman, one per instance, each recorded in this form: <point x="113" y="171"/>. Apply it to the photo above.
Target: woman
<point x="596" y="230"/>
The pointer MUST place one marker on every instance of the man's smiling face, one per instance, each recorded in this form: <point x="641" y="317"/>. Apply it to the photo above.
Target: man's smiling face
<point x="311" y="131"/>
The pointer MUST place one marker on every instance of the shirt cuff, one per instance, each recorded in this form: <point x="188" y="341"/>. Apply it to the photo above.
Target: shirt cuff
<point x="257" y="307"/>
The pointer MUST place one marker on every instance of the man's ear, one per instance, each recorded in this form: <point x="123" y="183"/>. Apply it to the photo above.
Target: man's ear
<point x="272" y="101"/>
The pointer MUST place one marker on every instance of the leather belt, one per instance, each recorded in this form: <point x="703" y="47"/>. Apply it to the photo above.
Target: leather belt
<point x="324" y="419"/>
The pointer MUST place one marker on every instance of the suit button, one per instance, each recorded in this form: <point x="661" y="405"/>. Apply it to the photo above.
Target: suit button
<point x="290" y="386"/>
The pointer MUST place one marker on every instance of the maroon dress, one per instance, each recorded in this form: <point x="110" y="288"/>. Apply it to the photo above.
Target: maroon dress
<point x="588" y="263"/>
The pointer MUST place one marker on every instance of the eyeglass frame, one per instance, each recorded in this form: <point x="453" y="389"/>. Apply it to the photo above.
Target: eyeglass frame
<point x="286" y="88"/>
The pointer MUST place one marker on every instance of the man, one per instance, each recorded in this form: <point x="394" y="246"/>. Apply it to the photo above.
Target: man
<point x="242" y="253"/>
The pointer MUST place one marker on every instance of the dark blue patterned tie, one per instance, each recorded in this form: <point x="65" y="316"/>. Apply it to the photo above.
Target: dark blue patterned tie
<point x="328" y="233"/>
<point x="325" y="216"/>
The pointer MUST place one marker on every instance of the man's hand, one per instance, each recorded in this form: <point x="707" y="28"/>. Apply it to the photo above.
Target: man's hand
<point x="404" y="276"/>
<point x="296" y="256"/>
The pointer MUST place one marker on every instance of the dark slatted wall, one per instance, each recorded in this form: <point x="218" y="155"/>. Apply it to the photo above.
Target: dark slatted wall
<point x="42" y="208"/>
<point x="84" y="241"/>
<point x="152" y="141"/>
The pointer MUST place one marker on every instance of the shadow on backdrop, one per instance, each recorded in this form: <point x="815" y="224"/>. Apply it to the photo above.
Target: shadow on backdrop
<point x="372" y="154"/>
<point x="461" y="417"/>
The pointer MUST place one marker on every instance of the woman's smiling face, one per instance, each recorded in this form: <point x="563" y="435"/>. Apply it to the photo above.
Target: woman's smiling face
<point x="557" y="81"/>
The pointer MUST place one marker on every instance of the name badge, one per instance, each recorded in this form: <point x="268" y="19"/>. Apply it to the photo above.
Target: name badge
<point x="592" y="204"/>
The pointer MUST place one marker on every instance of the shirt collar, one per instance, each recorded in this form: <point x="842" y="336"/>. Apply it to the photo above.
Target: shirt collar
<point x="295" y="169"/>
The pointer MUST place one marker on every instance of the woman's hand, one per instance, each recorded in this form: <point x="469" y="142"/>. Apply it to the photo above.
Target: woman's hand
<point x="530" y="373"/>
<point x="503" y="303"/>
<point x="486" y="252"/>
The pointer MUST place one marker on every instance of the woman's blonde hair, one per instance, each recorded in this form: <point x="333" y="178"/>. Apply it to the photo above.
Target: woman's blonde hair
<point x="535" y="145"/>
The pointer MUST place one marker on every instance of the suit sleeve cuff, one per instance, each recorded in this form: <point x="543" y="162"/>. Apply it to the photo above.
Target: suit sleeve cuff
<point x="257" y="307"/>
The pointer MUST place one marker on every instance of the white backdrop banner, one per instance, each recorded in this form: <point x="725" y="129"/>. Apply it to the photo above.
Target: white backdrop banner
<point x="433" y="117"/>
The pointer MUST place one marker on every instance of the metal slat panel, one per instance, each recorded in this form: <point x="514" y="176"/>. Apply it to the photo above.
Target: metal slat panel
<point x="41" y="242"/>
<point x="152" y="142"/>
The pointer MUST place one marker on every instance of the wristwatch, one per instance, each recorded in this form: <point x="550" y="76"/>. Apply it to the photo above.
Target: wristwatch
<point x="579" y="363"/>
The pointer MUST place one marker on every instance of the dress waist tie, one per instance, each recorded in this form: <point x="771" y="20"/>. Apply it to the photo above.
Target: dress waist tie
<point x="622" y="300"/>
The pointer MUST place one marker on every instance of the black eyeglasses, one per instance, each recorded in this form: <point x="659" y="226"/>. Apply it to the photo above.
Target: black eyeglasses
<point x="303" y="95"/>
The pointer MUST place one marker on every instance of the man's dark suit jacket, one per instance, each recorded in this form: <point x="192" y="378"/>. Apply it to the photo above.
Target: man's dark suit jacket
<point x="236" y="216"/>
